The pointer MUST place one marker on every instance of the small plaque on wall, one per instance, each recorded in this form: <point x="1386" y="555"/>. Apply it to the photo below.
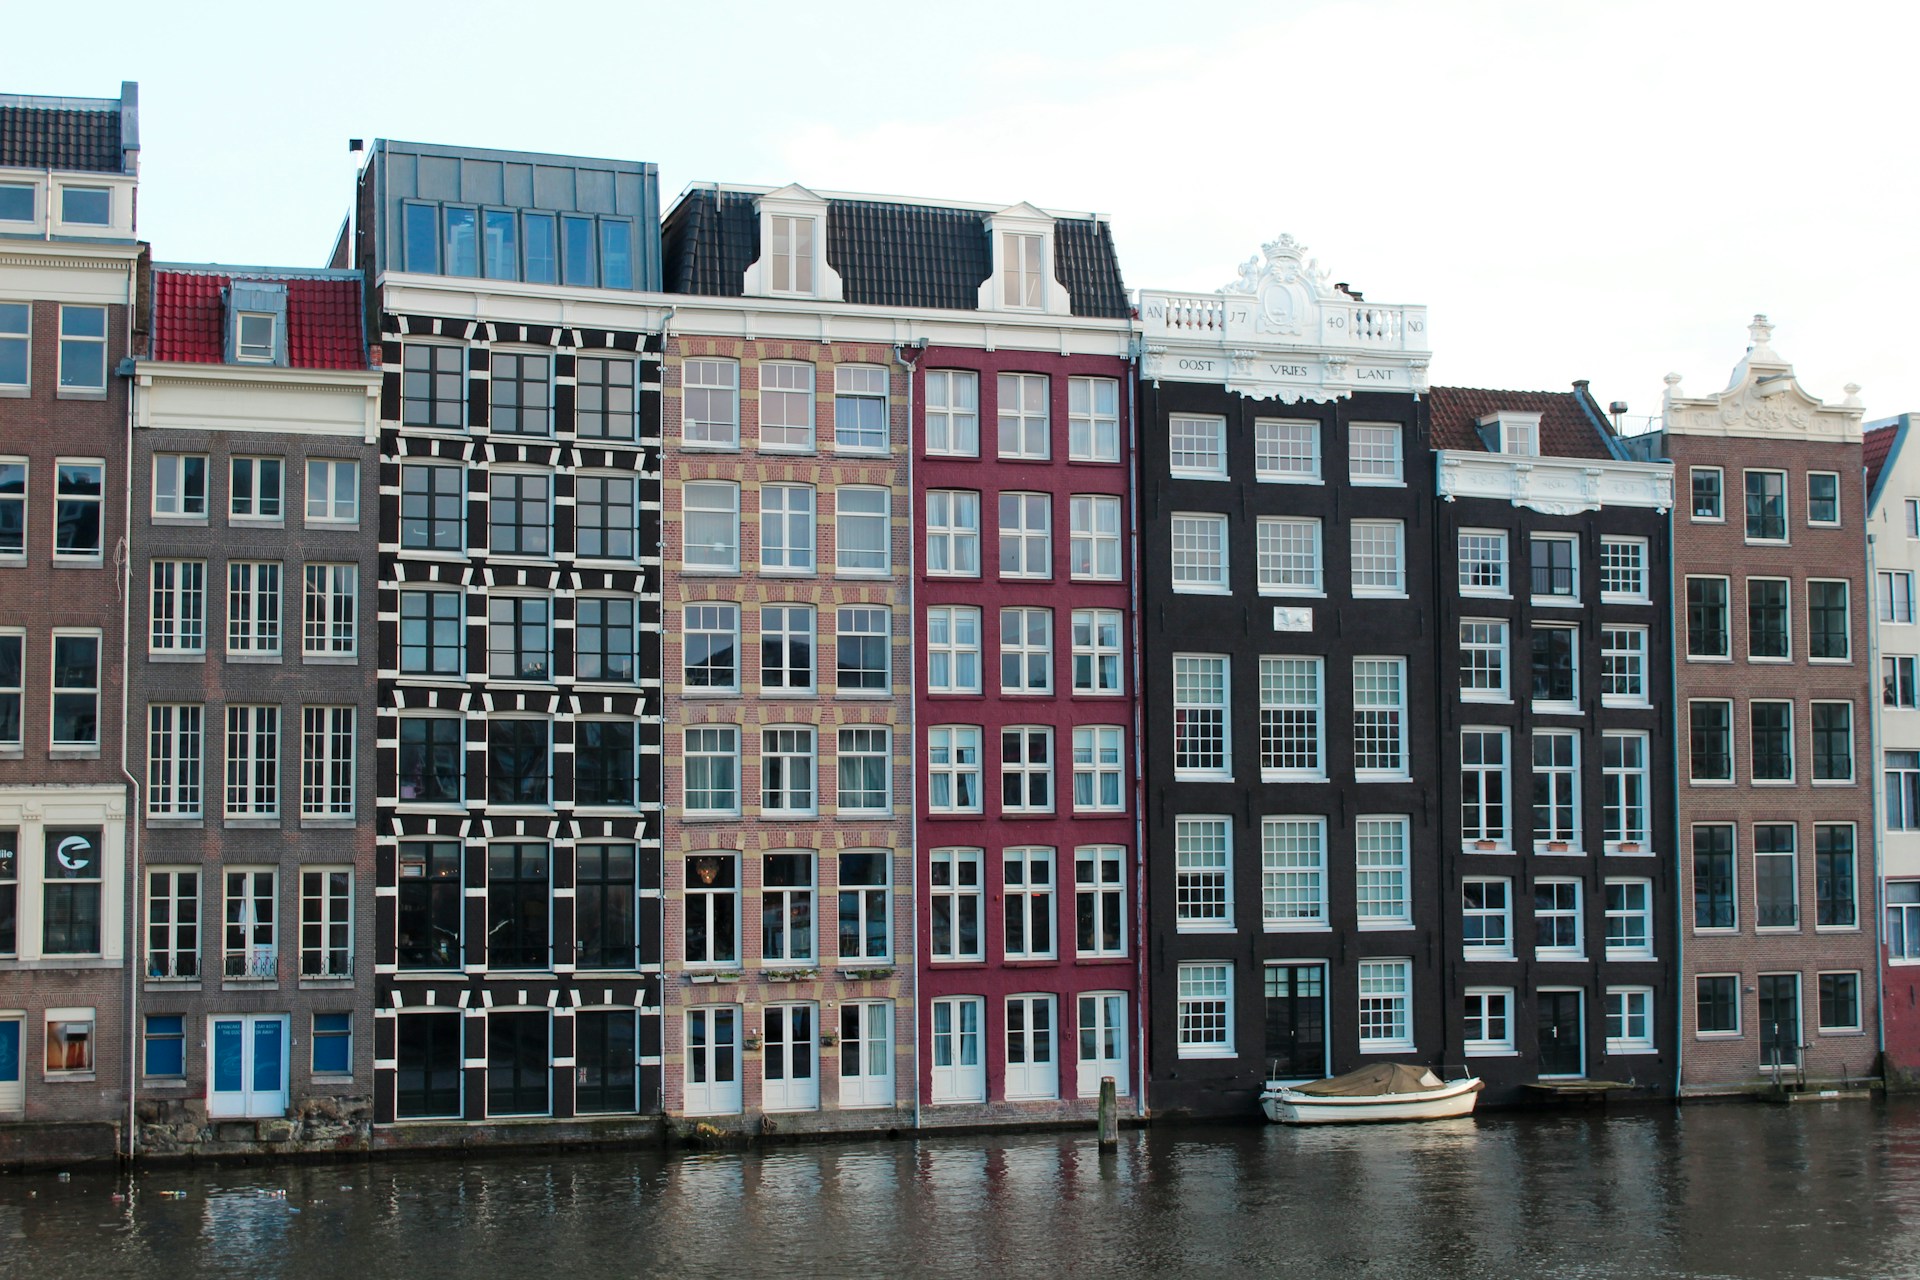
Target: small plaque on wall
<point x="1292" y="618"/>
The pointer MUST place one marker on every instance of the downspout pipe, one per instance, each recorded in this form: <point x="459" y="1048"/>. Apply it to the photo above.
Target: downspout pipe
<point x="1682" y="891"/>
<point x="130" y="898"/>
<point x="660" y="801"/>
<point x="1140" y="922"/>
<point x="1879" y="807"/>
<point x="900" y="356"/>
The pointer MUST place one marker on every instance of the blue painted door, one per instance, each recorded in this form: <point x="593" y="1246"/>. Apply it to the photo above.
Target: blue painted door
<point x="247" y="1065"/>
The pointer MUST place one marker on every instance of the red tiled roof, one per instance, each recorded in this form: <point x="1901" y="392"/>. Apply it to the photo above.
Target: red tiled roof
<point x="1879" y="445"/>
<point x="1566" y="430"/>
<point x="323" y="319"/>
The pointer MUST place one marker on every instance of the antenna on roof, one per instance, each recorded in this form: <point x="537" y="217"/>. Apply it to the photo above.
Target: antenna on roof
<point x="1619" y="410"/>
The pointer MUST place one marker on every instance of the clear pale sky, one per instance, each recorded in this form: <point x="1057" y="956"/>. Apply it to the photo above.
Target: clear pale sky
<point x="1603" y="191"/>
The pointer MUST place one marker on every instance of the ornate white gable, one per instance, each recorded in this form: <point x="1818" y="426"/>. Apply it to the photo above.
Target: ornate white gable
<point x="1280" y="331"/>
<point x="1763" y="400"/>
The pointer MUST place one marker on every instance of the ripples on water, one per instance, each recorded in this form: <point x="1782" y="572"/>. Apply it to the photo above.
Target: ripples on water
<point x="1736" y="1190"/>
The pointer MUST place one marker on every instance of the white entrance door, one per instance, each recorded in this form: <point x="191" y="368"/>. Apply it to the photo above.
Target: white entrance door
<point x="1032" y="1067"/>
<point x="13" y="1078"/>
<point x="792" y="1078"/>
<point x="866" y="1053"/>
<point x="959" y="1072"/>
<point x="1103" y="1042"/>
<point x="713" y="1061"/>
<point x="247" y="1065"/>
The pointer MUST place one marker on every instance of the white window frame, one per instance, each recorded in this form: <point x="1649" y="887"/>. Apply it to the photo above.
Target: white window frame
<point x="328" y="763"/>
<point x="1486" y="1046"/>
<point x="1094" y="657"/>
<point x="1094" y="538"/>
<point x="1024" y="408"/>
<point x="1196" y="446"/>
<point x="846" y="520"/>
<point x="1289" y="556"/>
<point x="1203" y="873"/>
<point x="1203" y="1010"/>
<point x="1093" y="419"/>
<point x="1569" y="597"/>
<point x="789" y="771"/>
<point x="953" y="528"/>
<point x="953" y="649"/>
<point x="1483" y="785"/>
<point x="788" y="384"/>
<point x="1482" y="911"/>
<point x="1624" y="571"/>
<point x="709" y="618"/>
<point x="1269" y="435"/>
<point x="1029" y="772"/>
<point x="1383" y="870"/>
<point x="1372" y="667"/>
<point x="333" y="492"/>
<point x="330" y="610"/>
<point x="1367" y="552"/>
<point x="171" y="501"/>
<point x="952" y="413"/>
<point x="1019" y="651"/>
<point x="1626" y="789"/>
<point x="1559" y="911"/>
<point x="1483" y="563"/>
<point x="255" y="465"/>
<point x="1376" y="453"/>
<point x="787" y="531"/>
<point x="1191" y="668"/>
<point x="1484" y="648"/>
<point x="955" y="880"/>
<point x="1624" y="655"/>
<point x="177" y="619"/>
<point x="722" y="556"/>
<point x="1627" y="1006"/>
<point x="858" y="385"/>
<point x="253" y="761"/>
<point x="1720" y="489"/>
<point x="1894" y="589"/>
<point x="1293" y="873"/>
<point x="1025" y="530"/>
<point x="860" y="744"/>
<point x="1028" y="886"/>
<point x="1200" y="557"/>
<point x="1386" y="1005"/>
<point x="253" y="609"/>
<point x="176" y="760"/>
<point x="718" y="381"/>
<point x="720" y="744"/>
<point x="953" y="757"/>
<point x="1628" y="914"/>
<point x="1099" y="758"/>
<point x="1100" y="895"/>
<point x="1293" y="722"/>
<point x="796" y="622"/>
<point x="1563" y="782"/>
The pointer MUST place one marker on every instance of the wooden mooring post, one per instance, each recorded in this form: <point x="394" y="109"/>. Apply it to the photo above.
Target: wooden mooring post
<point x="1109" y="1113"/>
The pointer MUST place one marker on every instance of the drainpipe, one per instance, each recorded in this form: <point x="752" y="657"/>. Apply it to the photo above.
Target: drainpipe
<point x="660" y="805"/>
<point x="1681" y="891"/>
<point x="1879" y="805"/>
<point x="130" y="899"/>
<point x="1140" y="923"/>
<point x="913" y="742"/>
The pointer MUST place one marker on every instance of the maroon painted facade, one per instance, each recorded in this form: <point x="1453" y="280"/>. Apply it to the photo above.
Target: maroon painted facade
<point x="1076" y="837"/>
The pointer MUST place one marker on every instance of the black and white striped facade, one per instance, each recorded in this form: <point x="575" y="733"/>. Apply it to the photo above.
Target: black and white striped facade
<point x="472" y="983"/>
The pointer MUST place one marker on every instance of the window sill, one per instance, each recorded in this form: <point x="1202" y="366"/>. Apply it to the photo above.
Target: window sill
<point x="1282" y="479"/>
<point x="1202" y="777"/>
<point x="864" y="695"/>
<point x="1836" y="928"/>
<point x="1364" y="778"/>
<point x="789" y="574"/>
<point x="706" y="816"/>
<point x="1393" y="1046"/>
<point x="1629" y="1051"/>
<point x="1554" y="602"/>
<point x="1555" y="708"/>
<point x="1613" y="957"/>
<point x="1497" y="1052"/>
<point x="1359" y="595"/>
<point x="957" y="815"/>
<point x="77" y="1077"/>
<point x="1475" y="957"/>
<point x="1771" y="782"/>
<point x="73" y="753"/>
<point x="254" y="522"/>
<point x="1839" y="1033"/>
<point x="1221" y="592"/>
<point x="1625" y="704"/>
<point x="1189" y="927"/>
<point x="1607" y="599"/>
<point x="1709" y="782"/>
<point x="328" y="824"/>
<point x="176" y="824"/>
<point x="1216" y="1054"/>
<point x="1719" y="1035"/>
<point x="1385" y="926"/>
<point x="863" y="815"/>
<point x="329" y="660"/>
<point x="77" y="393"/>
<point x="1276" y="593"/>
<point x="1544" y="958"/>
<point x="1710" y="657"/>
<point x="254" y="659"/>
<point x="56" y="963"/>
<point x="251" y="824"/>
<point x="332" y="526"/>
<point x="1830" y="662"/>
<point x="1266" y="776"/>
<point x="1834" y="782"/>
<point x="862" y="575"/>
<point x="955" y="694"/>
<point x="709" y="695"/>
<point x="1488" y="699"/>
<point x="1312" y="927"/>
<point x="78" y="562"/>
<point x="178" y="522"/>
<point x="700" y="571"/>
<point x="199" y="657"/>
<point x="1498" y="848"/>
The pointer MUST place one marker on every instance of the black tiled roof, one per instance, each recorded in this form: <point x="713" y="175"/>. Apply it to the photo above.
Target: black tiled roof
<point x="907" y="255"/>
<point x="887" y="254"/>
<point x="709" y="240"/>
<point x="1084" y="261"/>
<point x="60" y="138"/>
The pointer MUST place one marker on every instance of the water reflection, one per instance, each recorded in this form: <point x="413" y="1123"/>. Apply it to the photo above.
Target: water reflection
<point x="1742" y="1191"/>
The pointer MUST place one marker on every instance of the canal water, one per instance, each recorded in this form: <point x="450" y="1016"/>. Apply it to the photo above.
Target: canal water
<point x="1736" y="1190"/>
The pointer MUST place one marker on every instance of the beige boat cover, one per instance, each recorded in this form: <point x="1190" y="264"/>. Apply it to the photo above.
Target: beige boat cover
<point x="1374" y="1081"/>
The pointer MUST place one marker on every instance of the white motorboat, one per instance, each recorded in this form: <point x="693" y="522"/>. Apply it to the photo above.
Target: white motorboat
<point x="1384" y="1091"/>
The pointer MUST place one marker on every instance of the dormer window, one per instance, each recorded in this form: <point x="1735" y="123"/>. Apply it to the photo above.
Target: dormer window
<point x="254" y="344"/>
<point x="256" y="322"/>
<point x="792" y="255"/>
<point x="793" y="261"/>
<point x="1514" y="434"/>
<point x="1023" y="257"/>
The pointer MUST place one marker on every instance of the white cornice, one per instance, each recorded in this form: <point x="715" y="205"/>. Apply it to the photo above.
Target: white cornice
<point x="1553" y="486"/>
<point x="151" y="371"/>
<point x="1762" y="401"/>
<point x="242" y="398"/>
<point x="793" y="319"/>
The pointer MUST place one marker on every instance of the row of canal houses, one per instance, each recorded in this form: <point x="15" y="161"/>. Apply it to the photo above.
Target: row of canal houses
<point x="806" y="662"/>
